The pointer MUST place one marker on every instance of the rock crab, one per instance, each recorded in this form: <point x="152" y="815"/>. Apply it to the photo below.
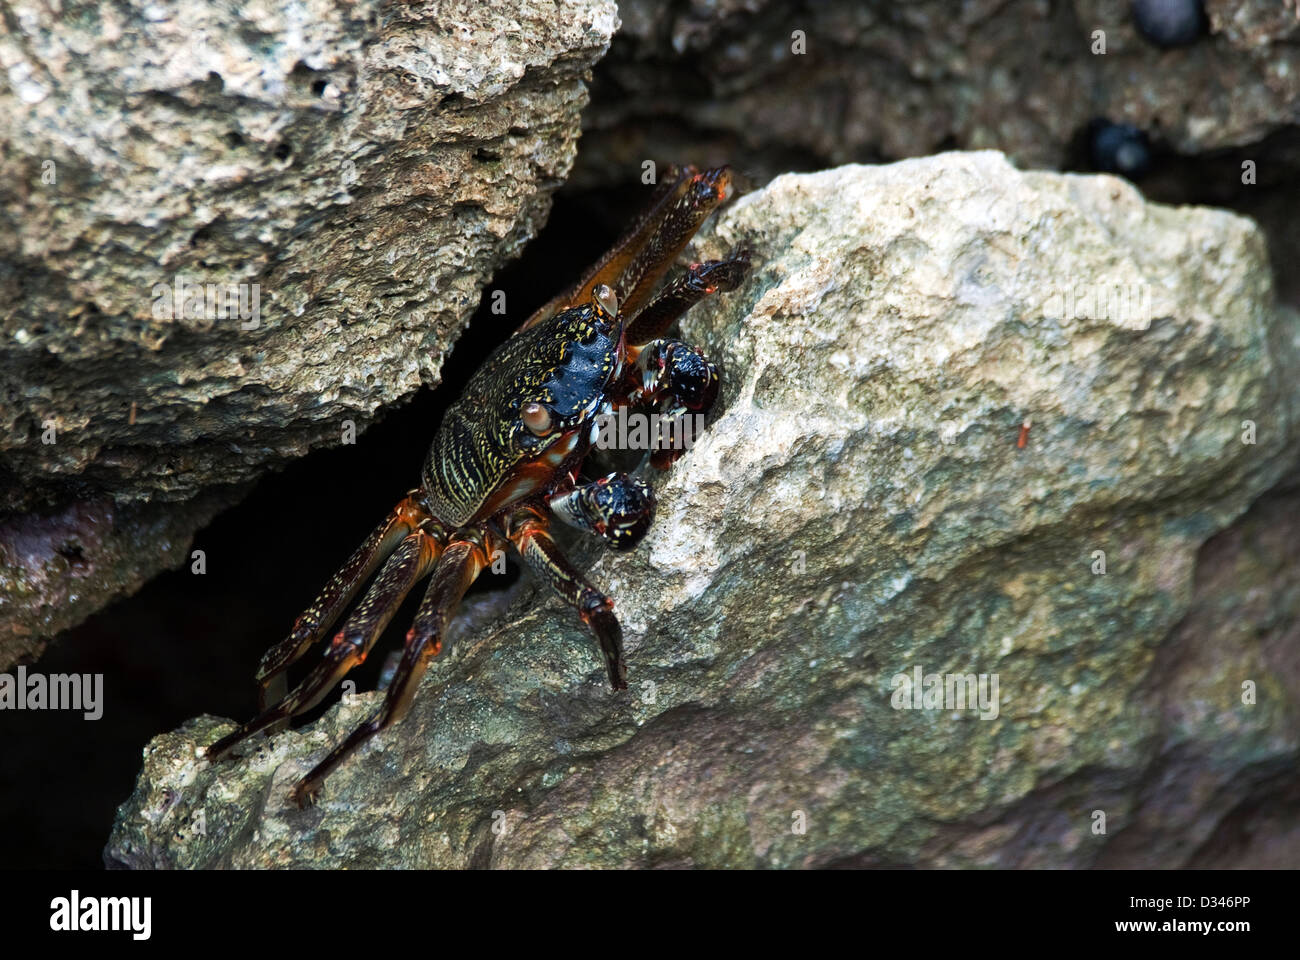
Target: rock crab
<point x="509" y="456"/>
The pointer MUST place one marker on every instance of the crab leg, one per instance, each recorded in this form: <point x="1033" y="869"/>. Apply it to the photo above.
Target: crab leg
<point x="683" y="293"/>
<point x="335" y="597"/>
<point x="460" y="565"/>
<point x="411" y="560"/>
<point x="529" y="531"/>
<point x="704" y="191"/>
<point x="641" y="258"/>
<point x="672" y="185"/>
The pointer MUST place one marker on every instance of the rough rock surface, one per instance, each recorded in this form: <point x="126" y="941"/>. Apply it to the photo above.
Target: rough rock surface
<point x="57" y="567"/>
<point x="722" y="81"/>
<point x="363" y="167"/>
<point x="367" y="165"/>
<point x="1244" y="623"/>
<point x="862" y="508"/>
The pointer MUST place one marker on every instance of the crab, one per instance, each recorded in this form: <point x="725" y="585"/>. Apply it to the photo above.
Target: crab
<point x="509" y="459"/>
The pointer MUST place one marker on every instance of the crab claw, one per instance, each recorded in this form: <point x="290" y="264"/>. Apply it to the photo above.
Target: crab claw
<point x="617" y="507"/>
<point x="678" y="374"/>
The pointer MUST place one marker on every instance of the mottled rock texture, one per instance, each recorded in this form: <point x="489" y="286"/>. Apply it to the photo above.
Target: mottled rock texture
<point x="723" y="81"/>
<point x="861" y="508"/>
<point x="58" y="566"/>
<point x="1244" y="623"/>
<point x="364" y="167"/>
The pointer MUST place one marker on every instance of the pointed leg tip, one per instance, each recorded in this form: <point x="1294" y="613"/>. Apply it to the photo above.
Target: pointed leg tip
<point x="304" y="793"/>
<point x="220" y="749"/>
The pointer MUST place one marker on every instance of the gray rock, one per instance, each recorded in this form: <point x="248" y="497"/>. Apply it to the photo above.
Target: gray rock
<point x="862" y="509"/>
<point x="1242" y="626"/>
<point x="56" y="567"/>
<point x="772" y="85"/>
<point x="367" y="169"/>
<point x="355" y="171"/>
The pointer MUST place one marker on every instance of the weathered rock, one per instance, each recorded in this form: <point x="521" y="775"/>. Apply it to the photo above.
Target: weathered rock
<point x="861" y="509"/>
<point x="1244" y="625"/>
<point x="772" y="85"/>
<point x="57" y="567"/>
<point x="367" y="166"/>
<point x="355" y="172"/>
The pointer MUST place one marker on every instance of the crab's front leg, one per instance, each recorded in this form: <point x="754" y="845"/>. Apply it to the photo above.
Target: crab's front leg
<point x="699" y="281"/>
<point x="529" y="530"/>
<point x="668" y="376"/>
<point x="673" y="379"/>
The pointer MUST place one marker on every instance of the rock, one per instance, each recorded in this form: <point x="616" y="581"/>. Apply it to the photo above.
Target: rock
<point x="366" y="166"/>
<point x="774" y="85"/>
<point x="57" y="567"/>
<point x="349" y="174"/>
<point x="1241" y="628"/>
<point x="866" y="506"/>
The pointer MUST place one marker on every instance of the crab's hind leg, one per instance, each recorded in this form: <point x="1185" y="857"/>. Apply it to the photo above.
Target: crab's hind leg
<point x="702" y="194"/>
<point x="460" y="565"/>
<point x="334" y="598"/>
<point x="528" y="529"/>
<point x="411" y="560"/>
<point x="611" y="266"/>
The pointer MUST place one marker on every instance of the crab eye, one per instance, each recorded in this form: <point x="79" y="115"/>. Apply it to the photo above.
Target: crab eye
<point x="607" y="299"/>
<point x="536" y="418"/>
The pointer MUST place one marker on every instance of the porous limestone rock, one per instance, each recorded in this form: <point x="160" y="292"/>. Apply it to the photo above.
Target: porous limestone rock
<point x="337" y="180"/>
<point x="868" y="506"/>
